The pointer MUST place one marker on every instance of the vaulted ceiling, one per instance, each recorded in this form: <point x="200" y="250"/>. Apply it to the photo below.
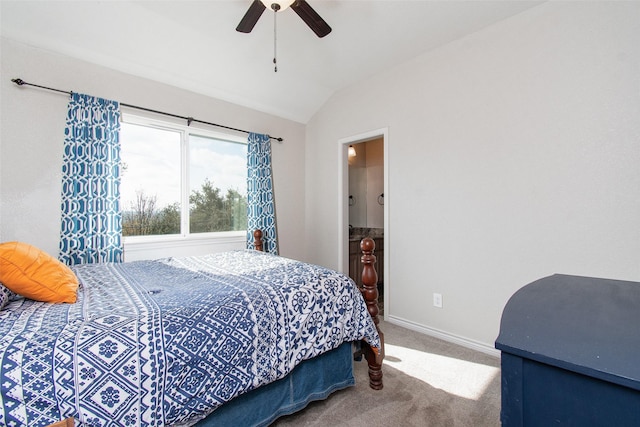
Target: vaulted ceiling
<point x="194" y="44"/>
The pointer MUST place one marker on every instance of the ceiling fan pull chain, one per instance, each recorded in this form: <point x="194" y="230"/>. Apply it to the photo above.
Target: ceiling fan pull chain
<point x="275" y="64"/>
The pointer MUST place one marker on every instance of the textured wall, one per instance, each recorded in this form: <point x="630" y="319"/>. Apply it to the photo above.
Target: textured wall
<point x="513" y="154"/>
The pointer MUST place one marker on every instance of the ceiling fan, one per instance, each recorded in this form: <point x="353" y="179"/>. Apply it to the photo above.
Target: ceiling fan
<point x="301" y="7"/>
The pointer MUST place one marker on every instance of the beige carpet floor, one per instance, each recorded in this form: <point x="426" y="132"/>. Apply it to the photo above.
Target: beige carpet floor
<point x="427" y="382"/>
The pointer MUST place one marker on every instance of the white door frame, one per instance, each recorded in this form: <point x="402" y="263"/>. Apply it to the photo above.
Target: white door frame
<point x="343" y="205"/>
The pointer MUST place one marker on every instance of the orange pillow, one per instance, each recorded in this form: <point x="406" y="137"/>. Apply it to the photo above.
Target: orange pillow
<point x="32" y="273"/>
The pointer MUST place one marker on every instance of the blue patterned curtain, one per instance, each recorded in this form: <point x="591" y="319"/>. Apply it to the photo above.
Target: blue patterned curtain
<point x="91" y="228"/>
<point x="261" y="211"/>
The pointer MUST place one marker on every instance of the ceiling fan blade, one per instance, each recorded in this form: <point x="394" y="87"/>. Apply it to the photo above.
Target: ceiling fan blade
<point x="311" y="18"/>
<point x="250" y="18"/>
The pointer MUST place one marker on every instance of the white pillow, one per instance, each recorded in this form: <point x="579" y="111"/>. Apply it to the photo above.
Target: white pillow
<point x="5" y="294"/>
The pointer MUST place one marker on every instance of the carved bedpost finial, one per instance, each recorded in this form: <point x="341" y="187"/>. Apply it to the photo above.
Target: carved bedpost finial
<point x="257" y="240"/>
<point x="370" y="293"/>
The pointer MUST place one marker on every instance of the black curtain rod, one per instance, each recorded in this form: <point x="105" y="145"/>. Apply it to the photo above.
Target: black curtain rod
<point x="189" y="120"/>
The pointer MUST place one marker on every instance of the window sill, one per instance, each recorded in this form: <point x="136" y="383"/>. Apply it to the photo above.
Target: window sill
<point x="153" y="247"/>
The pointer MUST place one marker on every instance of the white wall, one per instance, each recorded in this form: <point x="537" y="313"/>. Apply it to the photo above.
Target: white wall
<point x="514" y="153"/>
<point x="32" y="134"/>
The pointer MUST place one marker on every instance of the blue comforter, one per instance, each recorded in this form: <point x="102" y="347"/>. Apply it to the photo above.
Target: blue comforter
<point x="165" y="342"/>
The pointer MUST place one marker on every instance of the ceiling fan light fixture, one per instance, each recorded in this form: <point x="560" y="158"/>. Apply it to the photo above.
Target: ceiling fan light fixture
<point x="281" y="5"/>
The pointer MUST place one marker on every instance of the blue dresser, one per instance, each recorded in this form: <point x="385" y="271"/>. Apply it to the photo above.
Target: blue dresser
<point x="570" y="350"/>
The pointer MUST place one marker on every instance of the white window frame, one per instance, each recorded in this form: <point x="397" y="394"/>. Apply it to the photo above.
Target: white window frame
<point x="145" y="247"/>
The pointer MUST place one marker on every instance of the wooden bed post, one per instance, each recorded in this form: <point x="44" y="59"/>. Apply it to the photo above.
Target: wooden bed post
<point x="257" y="240"/>
<point x="369" y="291"/>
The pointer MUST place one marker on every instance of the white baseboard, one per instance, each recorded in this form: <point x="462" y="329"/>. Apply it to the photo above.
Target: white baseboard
<point x="446" y="336"/>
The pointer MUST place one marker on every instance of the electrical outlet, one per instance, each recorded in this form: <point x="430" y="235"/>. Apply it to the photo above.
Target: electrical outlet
<point x="437" y="300"/>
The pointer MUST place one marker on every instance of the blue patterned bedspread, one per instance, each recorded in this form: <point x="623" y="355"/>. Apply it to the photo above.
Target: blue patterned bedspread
<point x="165" y="342"/>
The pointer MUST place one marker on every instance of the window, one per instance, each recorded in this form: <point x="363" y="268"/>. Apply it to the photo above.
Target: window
<point x="180" y="181"/>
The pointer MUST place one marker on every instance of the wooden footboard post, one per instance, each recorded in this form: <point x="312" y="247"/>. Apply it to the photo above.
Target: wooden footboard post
<point x="257" y="240"/>
<point x="369" y="291"/>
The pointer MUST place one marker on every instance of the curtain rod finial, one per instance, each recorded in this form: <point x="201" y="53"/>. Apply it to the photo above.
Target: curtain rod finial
<point x="19" y="82"/>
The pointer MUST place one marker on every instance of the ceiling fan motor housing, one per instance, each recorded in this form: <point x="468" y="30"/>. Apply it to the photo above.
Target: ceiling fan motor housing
<point x="277" y="6"/>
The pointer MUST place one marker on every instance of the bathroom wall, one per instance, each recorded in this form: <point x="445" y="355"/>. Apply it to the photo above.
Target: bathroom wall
<point x="366" y="185"/>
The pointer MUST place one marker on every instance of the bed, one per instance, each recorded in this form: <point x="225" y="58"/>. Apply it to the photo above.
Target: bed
<point x="238" y="338"/>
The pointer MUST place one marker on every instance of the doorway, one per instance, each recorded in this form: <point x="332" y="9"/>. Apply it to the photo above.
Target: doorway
<point x="364" y="205"/>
